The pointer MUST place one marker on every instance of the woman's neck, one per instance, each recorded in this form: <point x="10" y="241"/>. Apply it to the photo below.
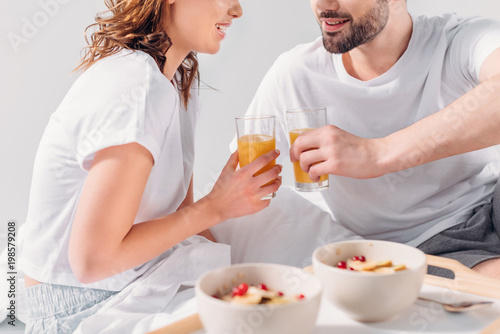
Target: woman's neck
<point x="174" y="59"/>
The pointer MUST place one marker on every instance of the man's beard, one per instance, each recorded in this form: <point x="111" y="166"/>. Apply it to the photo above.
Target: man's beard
<point x="360" y="32"/>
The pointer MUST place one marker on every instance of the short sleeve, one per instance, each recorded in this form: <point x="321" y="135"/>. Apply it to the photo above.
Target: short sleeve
<point x="474" y="39"/>
<point x="120" y="100"/>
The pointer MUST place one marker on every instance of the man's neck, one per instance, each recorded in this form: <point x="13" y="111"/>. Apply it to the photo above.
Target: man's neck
<point x="372" y="59"/>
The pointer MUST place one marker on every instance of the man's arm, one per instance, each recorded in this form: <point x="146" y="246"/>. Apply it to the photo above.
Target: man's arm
<point x="470" y="123"/>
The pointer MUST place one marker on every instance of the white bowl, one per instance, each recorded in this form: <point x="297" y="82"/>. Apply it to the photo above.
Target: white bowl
<point x="370" y="297"/>
<point x="221" y="317"/>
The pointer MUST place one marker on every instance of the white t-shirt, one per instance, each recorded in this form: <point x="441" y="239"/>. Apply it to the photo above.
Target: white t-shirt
<point x="121" y="99"/>
<point x="441" y="63"/>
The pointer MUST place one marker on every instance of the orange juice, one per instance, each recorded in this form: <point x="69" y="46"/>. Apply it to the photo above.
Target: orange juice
<point x="300" y="175"/>
<point x="250" y="147"/>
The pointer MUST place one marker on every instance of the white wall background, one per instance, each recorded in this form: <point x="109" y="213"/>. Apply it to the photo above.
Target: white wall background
<point x="40" y="43"/>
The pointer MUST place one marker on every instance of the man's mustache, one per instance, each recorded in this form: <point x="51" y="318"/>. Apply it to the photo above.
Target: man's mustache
<point x="334" y="15"/>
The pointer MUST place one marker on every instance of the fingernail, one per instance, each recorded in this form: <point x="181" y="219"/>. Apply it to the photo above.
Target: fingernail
<point x="277" y="151"/>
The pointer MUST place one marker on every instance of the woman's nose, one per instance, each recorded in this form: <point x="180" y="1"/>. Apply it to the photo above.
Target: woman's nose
<point x="235" y="11"/>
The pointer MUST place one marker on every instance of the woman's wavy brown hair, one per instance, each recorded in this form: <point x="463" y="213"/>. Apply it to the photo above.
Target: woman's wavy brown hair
<point x="137" y="25"/>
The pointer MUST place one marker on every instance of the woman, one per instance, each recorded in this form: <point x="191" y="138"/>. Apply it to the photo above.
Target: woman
<point x="112" y="189"/>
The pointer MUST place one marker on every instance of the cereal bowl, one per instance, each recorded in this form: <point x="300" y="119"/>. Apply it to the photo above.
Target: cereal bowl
<point x="368" y="296"/>
<point x="222" y="317"/>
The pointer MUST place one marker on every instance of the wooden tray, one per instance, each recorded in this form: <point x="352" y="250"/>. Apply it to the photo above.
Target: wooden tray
<point x="183" y="326"/>
<point x="466" y="279"/>
<point x="493" y="328"/>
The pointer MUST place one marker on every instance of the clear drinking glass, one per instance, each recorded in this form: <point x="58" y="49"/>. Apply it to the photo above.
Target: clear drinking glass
<point x="300" y="120"/>
<point x="256" y="136"/>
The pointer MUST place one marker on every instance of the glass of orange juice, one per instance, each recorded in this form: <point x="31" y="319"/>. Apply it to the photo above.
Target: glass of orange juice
<point x="300" y="120"/>
<point x="256" y="136"/>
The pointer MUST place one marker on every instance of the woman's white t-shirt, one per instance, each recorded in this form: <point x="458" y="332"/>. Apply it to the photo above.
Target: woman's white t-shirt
<point x="441" y="64"/>
<point x="121" y="99"/>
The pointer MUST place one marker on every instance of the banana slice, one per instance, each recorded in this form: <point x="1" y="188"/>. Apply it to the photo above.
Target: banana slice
<point x="384" y="270"/>
<point x="369" y="266"/>
<point x="263" y="293"/>
<point x="247" y="299"/>
<point x="280" y="300"/>
<point x="384" y="263"/>
<point x="361" y="266"/>
<point x="381" y="266"/>
<point x="399" y="267"/>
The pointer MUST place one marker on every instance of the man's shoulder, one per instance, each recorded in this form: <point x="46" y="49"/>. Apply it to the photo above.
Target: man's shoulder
<point x="449" y="23"/>
<point x="303" y="53"/>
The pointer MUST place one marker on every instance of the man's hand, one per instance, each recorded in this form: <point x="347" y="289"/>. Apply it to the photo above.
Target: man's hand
<point x="330" y="150"/>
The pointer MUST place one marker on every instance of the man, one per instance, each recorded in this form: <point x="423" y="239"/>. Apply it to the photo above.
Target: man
<point x="413" y="105"/>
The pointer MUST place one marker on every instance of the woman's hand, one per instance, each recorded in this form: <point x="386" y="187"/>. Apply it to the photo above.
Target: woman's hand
<point x="238" y="192"/>
<point x="331" y="150"/>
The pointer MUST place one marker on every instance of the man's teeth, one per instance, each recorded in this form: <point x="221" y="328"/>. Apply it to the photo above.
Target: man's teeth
<point x="335" y="23"/>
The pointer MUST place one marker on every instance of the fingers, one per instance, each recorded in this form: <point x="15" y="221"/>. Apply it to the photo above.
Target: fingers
<point x="255" y="202"/>
<point x="262" y="184"/>
<point x="232" y="163"/>
<point x="270" y="188"/>
<point x="261" y="161"/>
<point x="273" y="187"/>
<point x="305" y="141"/>
<point x="309" y="149"/>
<point x="317" y="170"/>
<point x="268" y="176"/>
<point x="310" y="158"/>
<point x="315" y="164"/>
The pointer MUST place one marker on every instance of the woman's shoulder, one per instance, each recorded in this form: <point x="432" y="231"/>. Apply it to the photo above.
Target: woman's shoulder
<point x="128" y="80"/>
<point x="126" y="66"/>
<point x="119" y="76"/>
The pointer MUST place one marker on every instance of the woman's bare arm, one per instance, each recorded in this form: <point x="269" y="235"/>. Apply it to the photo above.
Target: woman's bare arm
<point x="104" y="239"/>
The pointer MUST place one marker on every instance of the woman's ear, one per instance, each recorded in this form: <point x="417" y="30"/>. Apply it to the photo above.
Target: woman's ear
<point x="170" y="2"/>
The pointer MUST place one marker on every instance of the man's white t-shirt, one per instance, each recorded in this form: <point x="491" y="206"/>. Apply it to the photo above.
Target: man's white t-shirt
<point x="121" y="99"/>
<point x="441" y="64"/>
